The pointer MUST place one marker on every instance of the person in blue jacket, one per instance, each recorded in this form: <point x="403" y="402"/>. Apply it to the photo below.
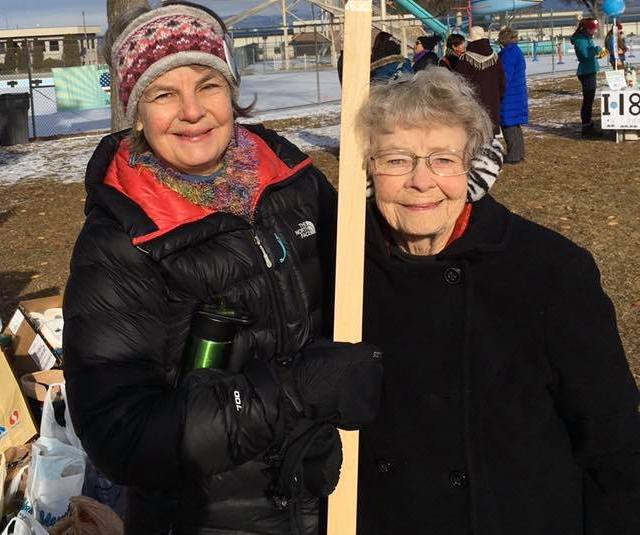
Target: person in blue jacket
<point x="387" y="63"/>
<point x="587" y="53"/>
<point x="514" y="106"/>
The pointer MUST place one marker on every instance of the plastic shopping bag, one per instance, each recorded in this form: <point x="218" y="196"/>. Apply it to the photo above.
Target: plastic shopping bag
<point x="56" y="421"/>
<point x="24" y="524"/>
<point x="56" y="474"/>
<point x="88" y="517"/>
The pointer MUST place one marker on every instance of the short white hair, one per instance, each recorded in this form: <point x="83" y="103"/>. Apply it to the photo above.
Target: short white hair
<point x="432" y="97"/>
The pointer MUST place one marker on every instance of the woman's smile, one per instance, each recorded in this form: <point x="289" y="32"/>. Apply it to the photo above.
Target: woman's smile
<point x="422" y="206"/>
<point x="194" y="137"/>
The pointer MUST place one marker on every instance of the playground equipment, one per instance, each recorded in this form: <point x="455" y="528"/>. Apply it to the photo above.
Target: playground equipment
<point x="428" y="20"/>
<point x="490" y="7"/>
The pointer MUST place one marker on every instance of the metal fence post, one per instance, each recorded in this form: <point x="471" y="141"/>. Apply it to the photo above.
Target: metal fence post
<point x="315" y="39"/>
<point x="553" y="47"/>
<point x="27" y="51"/>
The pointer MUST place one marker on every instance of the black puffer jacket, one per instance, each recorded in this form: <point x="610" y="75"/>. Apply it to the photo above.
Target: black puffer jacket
<point x="142" y="263"/>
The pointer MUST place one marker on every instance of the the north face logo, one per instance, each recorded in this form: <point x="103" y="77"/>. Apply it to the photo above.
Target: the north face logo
<point x="305" y="229"/>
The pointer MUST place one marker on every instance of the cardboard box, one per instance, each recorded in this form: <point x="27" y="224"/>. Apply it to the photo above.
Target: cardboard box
<point x="17" y="426"/>
<point x="31" y="350"/>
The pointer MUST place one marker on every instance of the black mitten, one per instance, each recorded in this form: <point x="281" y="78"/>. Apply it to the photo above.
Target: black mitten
<point x="310" y="457"/>
<point x="337" y="382"/>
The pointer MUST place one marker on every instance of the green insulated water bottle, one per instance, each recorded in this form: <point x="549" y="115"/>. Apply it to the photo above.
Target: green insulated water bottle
<point x="211" y="338"/>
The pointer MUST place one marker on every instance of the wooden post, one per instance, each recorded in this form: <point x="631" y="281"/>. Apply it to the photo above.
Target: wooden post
<point x="350" y="242"/>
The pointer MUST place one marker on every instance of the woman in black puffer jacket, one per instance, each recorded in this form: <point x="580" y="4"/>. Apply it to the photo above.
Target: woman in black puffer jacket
<point x="192" y="209"/>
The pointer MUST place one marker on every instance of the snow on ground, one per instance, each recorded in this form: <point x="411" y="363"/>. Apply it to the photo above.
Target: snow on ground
<point x="63" y="160"/>
<point x="326" y="137"/>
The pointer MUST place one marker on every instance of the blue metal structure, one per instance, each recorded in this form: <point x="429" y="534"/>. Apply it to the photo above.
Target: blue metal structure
<point x="478" y="8"/>
<point x="489" y="7"/>
<point x="427" y="19"/>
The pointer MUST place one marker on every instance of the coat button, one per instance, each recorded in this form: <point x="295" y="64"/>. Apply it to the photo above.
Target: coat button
<point x="452" y="275"/>
<point x="384" y="466"/>
<point x="458" y="479"/>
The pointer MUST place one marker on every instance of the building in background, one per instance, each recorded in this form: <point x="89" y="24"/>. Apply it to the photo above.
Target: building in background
<point x="68" y="46"/>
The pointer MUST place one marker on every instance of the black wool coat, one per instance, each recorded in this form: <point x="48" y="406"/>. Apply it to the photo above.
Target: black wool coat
<point x="508" y="405"/>
<point x="488" y="78"/>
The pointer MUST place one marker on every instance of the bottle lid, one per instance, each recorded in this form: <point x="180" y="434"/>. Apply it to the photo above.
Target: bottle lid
<point x="218" y="325"/>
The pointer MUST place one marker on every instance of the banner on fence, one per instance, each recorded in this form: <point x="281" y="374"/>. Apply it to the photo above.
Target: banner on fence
<point x="81" y="88"/>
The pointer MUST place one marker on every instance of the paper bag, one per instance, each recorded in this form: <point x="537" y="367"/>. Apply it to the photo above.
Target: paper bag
<point x="17" y="465"/>
<point x="88" y="517"/>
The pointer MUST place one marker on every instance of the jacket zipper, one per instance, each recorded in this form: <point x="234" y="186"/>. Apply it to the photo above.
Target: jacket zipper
<point x="277" y="309"/>
<point x="265" y="256"/>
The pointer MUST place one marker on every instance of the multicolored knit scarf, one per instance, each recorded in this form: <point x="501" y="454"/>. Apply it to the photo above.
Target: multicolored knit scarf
<point x="234" y="188"/>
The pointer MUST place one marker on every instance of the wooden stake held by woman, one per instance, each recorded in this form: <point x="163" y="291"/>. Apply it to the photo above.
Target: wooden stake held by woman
<point x="350" y="246"/>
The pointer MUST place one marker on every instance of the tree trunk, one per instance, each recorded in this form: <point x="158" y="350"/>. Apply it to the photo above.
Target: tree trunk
<point x="115" y="8"/>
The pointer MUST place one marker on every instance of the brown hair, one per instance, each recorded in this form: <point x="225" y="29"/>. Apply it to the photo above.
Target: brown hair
<point x="507" y="35"/>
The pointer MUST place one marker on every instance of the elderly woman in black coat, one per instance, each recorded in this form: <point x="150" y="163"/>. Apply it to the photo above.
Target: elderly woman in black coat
<point x="508" y="406"/>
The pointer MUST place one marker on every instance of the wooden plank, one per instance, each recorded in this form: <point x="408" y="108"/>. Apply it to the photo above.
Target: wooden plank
<point x="350" y="242"/>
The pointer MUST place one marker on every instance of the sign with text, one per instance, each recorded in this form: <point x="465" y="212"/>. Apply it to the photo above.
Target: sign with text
<point x="620" y="110"/>
<point x="616" y="80"/>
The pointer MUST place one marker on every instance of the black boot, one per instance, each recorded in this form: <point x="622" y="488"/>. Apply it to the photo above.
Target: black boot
<point x="589" y="131"/>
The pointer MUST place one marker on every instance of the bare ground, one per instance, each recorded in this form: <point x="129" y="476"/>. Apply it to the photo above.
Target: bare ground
<point x="587" y="190"/>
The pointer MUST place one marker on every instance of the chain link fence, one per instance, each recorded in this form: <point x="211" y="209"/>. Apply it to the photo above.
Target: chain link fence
<point x="62" y="90"/>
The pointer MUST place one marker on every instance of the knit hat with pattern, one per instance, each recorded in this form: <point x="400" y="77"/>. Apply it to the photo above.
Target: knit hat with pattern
<point x="165" y="38"/>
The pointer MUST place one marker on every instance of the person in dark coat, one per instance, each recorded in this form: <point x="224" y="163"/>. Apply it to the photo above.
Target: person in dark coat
<point x="424" y="54"/>
<point x="387" y="63"/>
<point x="514" y="107"/>
<point x="616" y="46"/>
<point x="481" y="66"/>
<point x="455" y="48"/>
<point x="508" y="404"/>
<point x="193" y="218"/>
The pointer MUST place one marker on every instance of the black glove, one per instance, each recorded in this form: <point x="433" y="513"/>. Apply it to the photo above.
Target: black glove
<point x="335" y="382"/>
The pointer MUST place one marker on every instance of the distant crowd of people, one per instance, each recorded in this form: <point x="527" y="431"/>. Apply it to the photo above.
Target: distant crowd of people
<point x="499" y="79"/>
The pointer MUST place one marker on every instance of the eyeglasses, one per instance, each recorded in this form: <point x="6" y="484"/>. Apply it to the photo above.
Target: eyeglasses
<point x="401" y="162"/>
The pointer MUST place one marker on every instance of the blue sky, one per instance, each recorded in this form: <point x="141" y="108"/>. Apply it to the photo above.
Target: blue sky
<point x="31" y="13"/>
